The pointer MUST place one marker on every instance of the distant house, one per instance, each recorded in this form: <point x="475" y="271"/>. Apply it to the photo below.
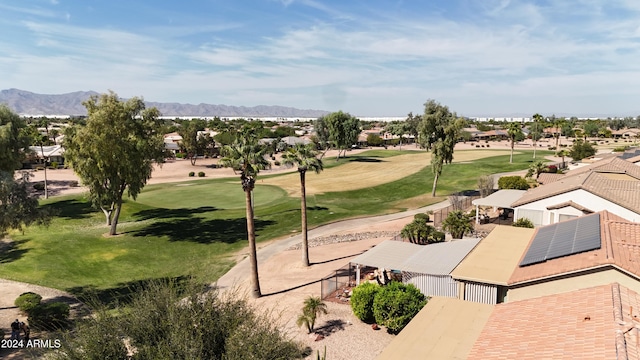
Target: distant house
<point x="52" y="154"/>
<point x="610" y="184"/>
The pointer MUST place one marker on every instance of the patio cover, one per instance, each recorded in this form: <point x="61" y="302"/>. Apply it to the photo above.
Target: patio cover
<point x="433" y="259"/>
<point x="499" y="199"/>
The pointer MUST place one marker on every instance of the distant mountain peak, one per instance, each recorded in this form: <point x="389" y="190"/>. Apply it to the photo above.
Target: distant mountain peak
<point x="29" y="103"/>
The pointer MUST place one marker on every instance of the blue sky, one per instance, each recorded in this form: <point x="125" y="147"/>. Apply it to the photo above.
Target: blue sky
<point x="366" y="57"/>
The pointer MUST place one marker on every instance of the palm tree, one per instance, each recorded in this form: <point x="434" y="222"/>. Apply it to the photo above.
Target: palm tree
<point x="247" y="157"/>
<point x="305" y="157"/>
<point x="313" y="306"/>
<point x="536" y="131"/>
<point x="513" y="130"/>
<point x="537" y="168"/>
<point x="563" y="153"/>
<point x="457" y="223"/>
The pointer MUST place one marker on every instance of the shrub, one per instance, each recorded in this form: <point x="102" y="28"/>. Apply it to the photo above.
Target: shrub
<point x="201" y="174"/>
<point x="621" y="149"/>
<point x="38" y="186"/>
<point x="192" y="174"/>
<point x="179" y="155"/>
<point x="552" y="169"/>
<point x="523" y="223"/>
<point x="552" y="147"/>
<point x="436" y="236"/>
<point x="27" y="301"/>
<point x="487" y="145"/>
<point x="54" y="165"/>
<point x="362" y="301"/>
<point x="421" y="216"/>
<point x="396" y="304"/>
<point x="73" y="183"/>
<point x="513" y="182"/>
<point x="276" y="163"/>
<point x="457" y="223"/>
<point x="39" y="168"/>
<point x="49" y="316"/>
<point x="477" y="145"/>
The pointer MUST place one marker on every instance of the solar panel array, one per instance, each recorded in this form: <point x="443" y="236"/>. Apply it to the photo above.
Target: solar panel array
<point x="565" y="238"/>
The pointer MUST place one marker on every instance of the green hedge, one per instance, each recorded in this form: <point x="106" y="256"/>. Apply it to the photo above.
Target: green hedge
<point x="27" y="301"/>
<point x="49" y="316"/>
<point x="362" y="301"/>
<point x="396" y="304"/>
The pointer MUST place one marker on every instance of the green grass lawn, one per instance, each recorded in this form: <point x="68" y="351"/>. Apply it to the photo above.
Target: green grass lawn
<point x="194" y="228"/>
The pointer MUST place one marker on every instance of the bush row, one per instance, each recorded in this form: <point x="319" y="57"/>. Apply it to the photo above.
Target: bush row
<point x="44" y="316"/>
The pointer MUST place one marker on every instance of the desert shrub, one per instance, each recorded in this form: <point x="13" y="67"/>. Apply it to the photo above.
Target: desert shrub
<point x="27" y="301"/>
<point x="276" y="163"/>
<point x="38" y="186"/>
<point x="552" y="147"/>
<point x="362" y="301"/>
<point x="621" y="149"/>
<point x="487" y="145"/>
<point x="477" y="145"/>
<point x="192" y="174"/>
<point x="421" y="216"/>
<point x="201" y="174"/>
<point x="73" y="183"/>
<point x="513" y="182"/>
<point x="54" y="165"/>
<point x="180" y="156"/>
<point x="523" y="223"/>
<point x="176" y="320"/>
<point x="396" y="304"/>
<point x="49" y="316"/>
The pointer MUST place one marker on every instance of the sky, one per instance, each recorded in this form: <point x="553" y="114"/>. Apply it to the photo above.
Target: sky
<point x="366" y="57"/>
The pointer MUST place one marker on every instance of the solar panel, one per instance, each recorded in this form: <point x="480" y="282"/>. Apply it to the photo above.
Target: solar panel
<point x="565" y="238"/>
<point x="539" y="246"/>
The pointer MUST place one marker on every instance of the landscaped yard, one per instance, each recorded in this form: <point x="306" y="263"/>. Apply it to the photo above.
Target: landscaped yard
<point x="195" y="228"/>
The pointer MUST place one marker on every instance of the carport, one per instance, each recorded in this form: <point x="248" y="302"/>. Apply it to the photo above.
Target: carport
<point x="499" y="199"/>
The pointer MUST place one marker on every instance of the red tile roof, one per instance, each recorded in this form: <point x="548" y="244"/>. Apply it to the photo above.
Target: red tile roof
<point x="594" y="323"/>
<point x="612" y="179"/>
<point x="620" y="247"/>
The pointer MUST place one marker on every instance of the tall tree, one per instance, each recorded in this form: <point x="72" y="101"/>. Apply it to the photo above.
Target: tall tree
<point x="305" y="157"/>
<point x="438" y="132"/>
<point x="18" y="207"/>
<point x="535" y="130"/>
<point x="247" y="157"/>
<point x="194" y="141"/>
<point x="398" y="128"/>
<point x="115" y="151"/>
<point x="39" y="140"/>
<point x="514" y="131"/>
<point x="342" y="130"/>
<point x="413" y="122"/>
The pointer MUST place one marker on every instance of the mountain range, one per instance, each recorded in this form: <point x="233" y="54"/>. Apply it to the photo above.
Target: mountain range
<point x="28" y="103"/>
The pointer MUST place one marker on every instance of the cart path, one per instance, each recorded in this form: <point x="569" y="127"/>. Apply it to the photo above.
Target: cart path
<point x="240" y="272"/>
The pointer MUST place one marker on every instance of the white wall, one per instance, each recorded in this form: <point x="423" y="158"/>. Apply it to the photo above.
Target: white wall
<point x="581" y="197"/>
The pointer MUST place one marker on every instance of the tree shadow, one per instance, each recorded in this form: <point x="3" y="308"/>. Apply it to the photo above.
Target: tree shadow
<point x="338" y="258"/>
<point x="162" y="213"/>
<point x="330" y="327"/>
<point x="317" y="208"/>
<point x="10" y="251"/>
<point x="70" y="209"/>
<point x="368" y="159"/>
<point x="292" y="288"/>
<point x="122" y="294"/>
<point x="202" y="231"/>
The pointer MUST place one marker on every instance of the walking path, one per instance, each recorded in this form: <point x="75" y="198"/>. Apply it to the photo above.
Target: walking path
<point x="242" y="269"/>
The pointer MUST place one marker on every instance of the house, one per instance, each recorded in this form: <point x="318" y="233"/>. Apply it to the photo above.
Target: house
<point x="52" y="154"/>
<point x="592" y="250"/>
<point x="428" y="267"/>
<point x="610" y="184"/>
<point x="572" y="291"/>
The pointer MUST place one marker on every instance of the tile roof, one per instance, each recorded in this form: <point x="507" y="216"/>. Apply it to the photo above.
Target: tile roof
<point x="593" y="323"/>
<point x="495" y="257"/>
<point x="546" y="178"/>
<point x="620" y="247"/>
<point x="598" y="179"/>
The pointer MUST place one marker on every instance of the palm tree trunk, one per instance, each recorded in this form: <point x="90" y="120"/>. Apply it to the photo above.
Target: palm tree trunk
<point x="253" y="257"/>
<point x="303" y="216"/>
<point x="511" y="156"/>
<point x="46" y="190"/>
<point x="435" y="183"/>
<point x="535" y="143"/>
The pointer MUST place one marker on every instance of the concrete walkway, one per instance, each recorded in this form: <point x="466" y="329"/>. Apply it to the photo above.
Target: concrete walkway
<point x="241" y="270"/>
